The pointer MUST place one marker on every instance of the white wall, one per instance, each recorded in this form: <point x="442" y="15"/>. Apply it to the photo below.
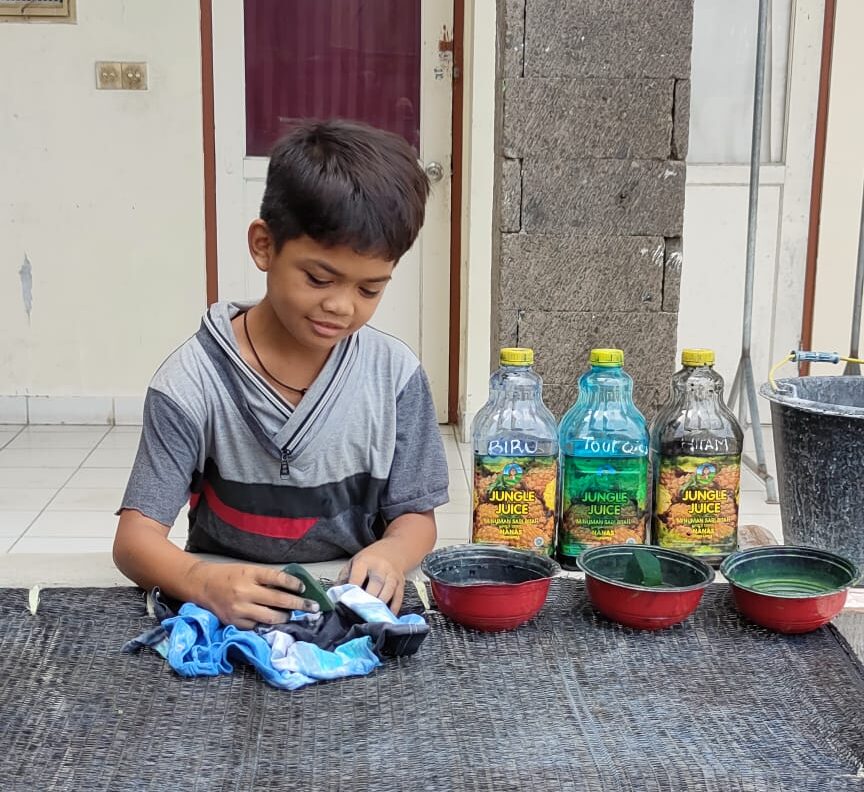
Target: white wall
<point x="841" y="195"/>
<point x="102" y="192"/>
<point x="715" y="226"/>
<point x="712" y="278"/>
<point x="478" y="184"/>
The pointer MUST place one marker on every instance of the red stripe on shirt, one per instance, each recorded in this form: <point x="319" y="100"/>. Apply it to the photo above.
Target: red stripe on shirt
<point x="274" y="527"/>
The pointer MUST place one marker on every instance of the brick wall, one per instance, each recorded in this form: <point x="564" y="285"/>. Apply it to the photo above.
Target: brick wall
<point x="594" y="108"/>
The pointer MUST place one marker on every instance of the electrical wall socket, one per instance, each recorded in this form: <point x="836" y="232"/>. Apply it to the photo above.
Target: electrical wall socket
<point x="115" y="76"/>
<point x="108" y="76"/>
<point x="134" y="76"/>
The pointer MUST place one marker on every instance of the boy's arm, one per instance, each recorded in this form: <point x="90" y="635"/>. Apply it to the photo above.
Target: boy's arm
<point x="380" y="568"/>
<point x="167" y="459"/>
<point x="417" y="484"/>
<point x="239" y="594"/>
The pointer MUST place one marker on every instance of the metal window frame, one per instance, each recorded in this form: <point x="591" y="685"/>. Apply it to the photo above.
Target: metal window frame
<point x="45" y="11"/>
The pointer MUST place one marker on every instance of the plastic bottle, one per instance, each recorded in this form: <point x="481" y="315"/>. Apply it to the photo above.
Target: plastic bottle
<point x="515" y="466"/>
<point x="604" y="462"/>
<point x="696" y="445"/>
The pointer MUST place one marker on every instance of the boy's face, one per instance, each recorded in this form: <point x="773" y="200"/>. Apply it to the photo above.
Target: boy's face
<point x="320" y="295"/>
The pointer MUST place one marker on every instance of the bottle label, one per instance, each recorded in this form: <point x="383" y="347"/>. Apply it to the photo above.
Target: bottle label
<point x="696" y="503"/>
<point x="603" y="501"/>
<point x="514" y="501"/>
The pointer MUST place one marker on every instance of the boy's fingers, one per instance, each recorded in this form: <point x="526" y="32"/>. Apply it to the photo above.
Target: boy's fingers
<point x="282" y="600"/>
<point x="280" y="579"/>
<point x="389" y="589"/>
<point x="291" y="583"/>
<point x="358" y="572"/>
<point x="376" y="585"/>
<point x="398" y="595"/>
<point x="258" y="614"/>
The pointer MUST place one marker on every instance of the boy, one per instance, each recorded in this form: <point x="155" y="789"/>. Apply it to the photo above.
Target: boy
<point x="296" y="432"/>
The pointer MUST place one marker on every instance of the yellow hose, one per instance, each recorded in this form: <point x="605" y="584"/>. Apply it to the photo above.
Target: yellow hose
<point x="800" y="355"/>
<point x="776" y="366"/>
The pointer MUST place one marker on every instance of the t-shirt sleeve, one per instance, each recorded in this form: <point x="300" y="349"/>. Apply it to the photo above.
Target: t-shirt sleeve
<point x="418" y="476"/>
<point x="166" y="461"/>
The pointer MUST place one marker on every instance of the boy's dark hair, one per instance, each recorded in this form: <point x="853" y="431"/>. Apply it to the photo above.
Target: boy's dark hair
<point x="345" y="183"/>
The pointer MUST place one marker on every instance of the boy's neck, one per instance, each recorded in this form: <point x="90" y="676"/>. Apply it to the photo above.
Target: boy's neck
<point x="284" y="358"/>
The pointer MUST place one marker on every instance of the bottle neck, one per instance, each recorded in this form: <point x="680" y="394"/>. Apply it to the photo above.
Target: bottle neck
<point x="696" y="407"/>
<point x="604" y="411"/>
<point x="515" y="411"/>
<point x="517" y="383"/>
<point x="702" y="383"/>
<point x="605" y="386"/>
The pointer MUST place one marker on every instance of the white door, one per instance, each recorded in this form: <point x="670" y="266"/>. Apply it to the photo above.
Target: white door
<point x="718" y="173"/>
<point x="386" y="62"/>
<point x="840" y="218"/>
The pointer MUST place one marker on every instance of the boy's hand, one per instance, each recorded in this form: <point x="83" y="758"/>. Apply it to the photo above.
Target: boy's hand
<point x="245" y="595"/>
<point x="379" y="572"/>
<point x="380" y="568"/>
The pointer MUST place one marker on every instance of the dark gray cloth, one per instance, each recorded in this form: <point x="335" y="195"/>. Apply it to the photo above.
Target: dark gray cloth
<point x="332" y="629"/>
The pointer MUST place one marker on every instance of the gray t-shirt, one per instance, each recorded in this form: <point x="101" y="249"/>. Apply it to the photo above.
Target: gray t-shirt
<point x="270" y="482"/>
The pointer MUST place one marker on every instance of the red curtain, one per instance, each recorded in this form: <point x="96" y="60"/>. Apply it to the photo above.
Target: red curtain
<point x="356" y="59"/>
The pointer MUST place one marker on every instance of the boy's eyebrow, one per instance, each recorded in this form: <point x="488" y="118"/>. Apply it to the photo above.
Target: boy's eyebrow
<point x="335" y="272"/>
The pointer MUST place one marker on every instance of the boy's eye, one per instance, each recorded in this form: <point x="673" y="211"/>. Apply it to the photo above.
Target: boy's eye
<point x="370" y="292"/>
<point x="316" y="281"/>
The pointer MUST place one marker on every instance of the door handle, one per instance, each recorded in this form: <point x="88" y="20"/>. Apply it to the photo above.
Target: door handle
<point x="435" y="172"/>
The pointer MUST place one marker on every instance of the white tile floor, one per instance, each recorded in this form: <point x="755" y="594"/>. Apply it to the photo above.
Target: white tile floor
<point x="60" y="486"/>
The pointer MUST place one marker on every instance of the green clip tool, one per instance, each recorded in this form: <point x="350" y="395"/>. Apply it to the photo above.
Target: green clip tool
<point x="643" y="569"/>
<point x="314" y="590"/>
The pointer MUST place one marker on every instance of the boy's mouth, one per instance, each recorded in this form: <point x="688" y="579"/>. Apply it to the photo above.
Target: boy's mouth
<point x="326" y="329"/>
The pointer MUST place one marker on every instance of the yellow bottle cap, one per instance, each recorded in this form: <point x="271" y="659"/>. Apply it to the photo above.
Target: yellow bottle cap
<point x="517" y="356"/>
<point x="607" y="357"/>
<point x="697" y="357"/>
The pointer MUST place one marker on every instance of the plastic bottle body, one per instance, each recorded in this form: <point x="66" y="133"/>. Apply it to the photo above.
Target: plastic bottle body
<point x="604" y="466"/>
<point x="515" y="464"/>
<point x="696" y="445"/>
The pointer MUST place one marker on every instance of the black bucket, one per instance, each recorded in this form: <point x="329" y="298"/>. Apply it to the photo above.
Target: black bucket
<point x="819" y="441"/>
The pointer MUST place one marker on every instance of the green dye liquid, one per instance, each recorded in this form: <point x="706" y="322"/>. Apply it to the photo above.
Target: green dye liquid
<point x="789" y="587"/>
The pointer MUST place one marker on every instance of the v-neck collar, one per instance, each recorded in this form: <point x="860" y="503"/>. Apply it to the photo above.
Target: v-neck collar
<point x="300" y="421"/>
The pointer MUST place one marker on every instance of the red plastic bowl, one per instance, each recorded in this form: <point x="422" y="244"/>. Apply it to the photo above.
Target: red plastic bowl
<point x="644" y="607"/>
<point x="789" y="589"/>
<point x="784" y="615"/>
<point x="488" y="587"/>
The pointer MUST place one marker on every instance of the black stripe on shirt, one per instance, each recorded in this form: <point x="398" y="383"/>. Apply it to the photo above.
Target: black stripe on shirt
<point x="284" y="500"/>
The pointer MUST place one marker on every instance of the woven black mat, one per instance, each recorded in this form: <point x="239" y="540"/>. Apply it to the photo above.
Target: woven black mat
<point x="567" y="702"/>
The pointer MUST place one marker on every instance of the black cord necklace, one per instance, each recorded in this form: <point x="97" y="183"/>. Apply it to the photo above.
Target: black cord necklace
<point x="301" y="391"/>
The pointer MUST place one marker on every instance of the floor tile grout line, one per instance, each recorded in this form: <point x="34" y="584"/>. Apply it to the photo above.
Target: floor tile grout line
<point x="59" y="490"/>
<point x="105" y="437"/>
<point x="20" y="429"/>
<point x="467" y="464"/>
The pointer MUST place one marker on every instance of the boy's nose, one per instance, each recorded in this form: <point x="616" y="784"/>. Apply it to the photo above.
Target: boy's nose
<point x="338" y="305"/>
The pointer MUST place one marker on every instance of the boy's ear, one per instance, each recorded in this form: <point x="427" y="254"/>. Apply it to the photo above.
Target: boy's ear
<point x="261" y="246"/>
